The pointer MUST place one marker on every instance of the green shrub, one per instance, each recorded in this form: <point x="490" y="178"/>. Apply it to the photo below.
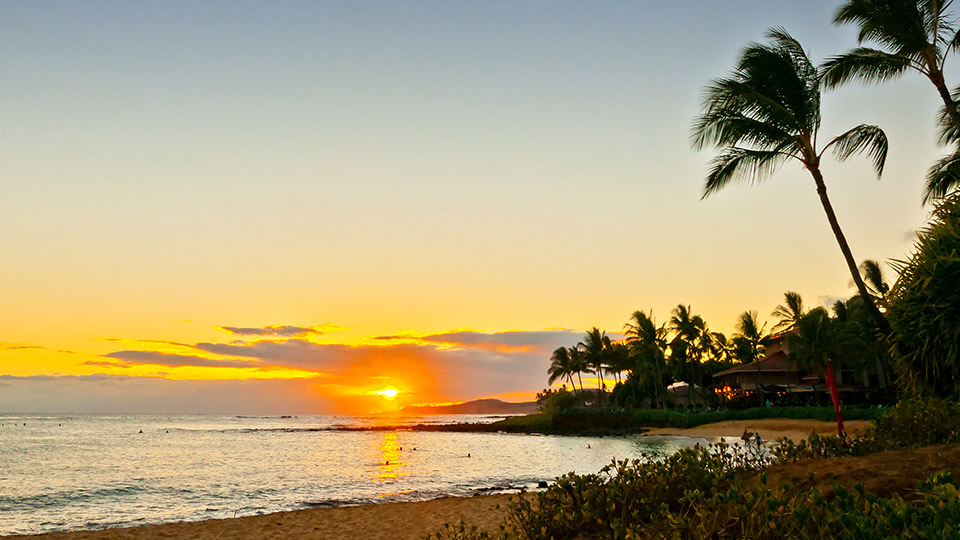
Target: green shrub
<point x="916" y="422"/>
<point x="698" y="495"/>
<point x="911" y="422"/>
<point x="702" y="493"/>
<point x="559" y="400"/>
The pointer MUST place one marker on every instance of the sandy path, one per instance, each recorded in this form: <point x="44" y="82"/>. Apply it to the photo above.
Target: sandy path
<point x="770" y="429"/>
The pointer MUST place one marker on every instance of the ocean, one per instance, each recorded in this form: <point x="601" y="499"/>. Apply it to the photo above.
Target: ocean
<point x="74" y="472"/>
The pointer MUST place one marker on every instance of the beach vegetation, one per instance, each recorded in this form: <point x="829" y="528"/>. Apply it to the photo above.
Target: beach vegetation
<point x="551" y="401"/>
<point x="925" y="307"/>
<point x="719" y="491"/>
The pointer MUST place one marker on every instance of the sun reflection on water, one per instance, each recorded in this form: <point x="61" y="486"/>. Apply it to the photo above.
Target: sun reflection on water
<point x="390" y="458"/>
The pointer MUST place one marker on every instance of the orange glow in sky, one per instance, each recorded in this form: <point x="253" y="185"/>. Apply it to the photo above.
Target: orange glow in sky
<point x="172" y="255"/>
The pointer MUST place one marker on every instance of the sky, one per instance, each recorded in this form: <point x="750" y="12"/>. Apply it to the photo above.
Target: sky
<point x="249" y="207"/>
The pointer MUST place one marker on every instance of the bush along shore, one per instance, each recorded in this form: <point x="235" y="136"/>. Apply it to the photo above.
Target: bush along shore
<point x="722" y="491"/>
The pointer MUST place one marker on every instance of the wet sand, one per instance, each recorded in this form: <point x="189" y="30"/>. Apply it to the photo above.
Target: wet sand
<point x="401" y="520"/>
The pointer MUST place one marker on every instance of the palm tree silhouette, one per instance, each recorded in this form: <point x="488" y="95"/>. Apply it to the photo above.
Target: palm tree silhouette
<point x="648" y="343"/>
<point x="594" y="347"/>
<point x="813" y="347"/>
<point x="561" y="366"/>
<point x="690" y="341"/>
<point x="789" y="311"/>
<point x="911" y="35"/>
<point x="749" y="342"/>
<point x="579" y="364"/>
<point x="768" y="112"/>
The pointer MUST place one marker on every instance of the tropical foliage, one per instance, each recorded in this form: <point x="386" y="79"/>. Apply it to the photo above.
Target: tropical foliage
<point x="702" y="493"/>
<point x="925" y="306"/>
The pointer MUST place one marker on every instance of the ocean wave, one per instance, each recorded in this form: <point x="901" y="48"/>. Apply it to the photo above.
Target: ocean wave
<point x="72" y="497"/>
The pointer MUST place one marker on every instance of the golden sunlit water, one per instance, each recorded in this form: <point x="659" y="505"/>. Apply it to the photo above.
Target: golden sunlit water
<point x="390" y="458"/>
<point x="72" y="472"/>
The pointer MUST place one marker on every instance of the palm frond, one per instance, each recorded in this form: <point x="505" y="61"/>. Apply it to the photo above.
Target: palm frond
<point x="741" y="165"/>
<point x="949" y="130"/>
<point x="943" y="177"/>
<point x="900" y="26"/>
<point x="723" y="129"/>
<point x="863" y="138"/>
<point x="863" y="65"/>
<point x="873" y="275"/>
<point x="789" y="312"/>
<point x="736" y="96"/>
<point x="783" y="72"/>
<point x="953" y="43"/>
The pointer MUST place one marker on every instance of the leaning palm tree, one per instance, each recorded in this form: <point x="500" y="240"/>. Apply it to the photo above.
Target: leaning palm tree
<point x="767" y="113"/>
<point x="912" y="35"/>
<point x="789" y="311"/>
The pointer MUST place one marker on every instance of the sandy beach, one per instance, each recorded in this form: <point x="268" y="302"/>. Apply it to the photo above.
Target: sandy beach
<point x="769" y="429"/>
<point x="410" y="520"/>
<point x="401" y="521"/>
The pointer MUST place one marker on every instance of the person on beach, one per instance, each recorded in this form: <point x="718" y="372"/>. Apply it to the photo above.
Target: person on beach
<point x="758" y="441"/>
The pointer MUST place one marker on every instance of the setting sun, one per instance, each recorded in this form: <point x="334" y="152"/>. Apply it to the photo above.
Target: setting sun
<point x="388" y="393"/>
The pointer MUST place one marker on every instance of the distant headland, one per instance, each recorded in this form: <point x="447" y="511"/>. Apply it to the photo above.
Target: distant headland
<point x="479" y="406"/>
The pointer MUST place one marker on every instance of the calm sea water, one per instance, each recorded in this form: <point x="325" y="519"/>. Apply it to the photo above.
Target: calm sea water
<point x="71" y="472"/>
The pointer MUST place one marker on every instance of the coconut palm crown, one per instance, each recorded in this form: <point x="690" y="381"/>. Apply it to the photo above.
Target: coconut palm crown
<point x="912" y="35"/>
<point x="766" y="113"/>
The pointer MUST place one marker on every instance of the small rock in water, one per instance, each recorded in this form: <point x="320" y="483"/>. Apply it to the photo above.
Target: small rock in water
<point x="542" y="484"/>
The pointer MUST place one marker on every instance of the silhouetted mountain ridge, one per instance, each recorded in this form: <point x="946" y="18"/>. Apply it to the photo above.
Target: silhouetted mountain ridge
<point x="479" y="406"/>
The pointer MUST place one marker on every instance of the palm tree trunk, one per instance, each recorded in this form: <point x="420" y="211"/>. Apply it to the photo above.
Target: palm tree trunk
<point x="583" y="399"/>
<point x="600" y="395"/>
<point x="937" y="79"/>
<point x="661" y="399"/>
<point x="759" y="378"/>
<point x="878" y="317"/>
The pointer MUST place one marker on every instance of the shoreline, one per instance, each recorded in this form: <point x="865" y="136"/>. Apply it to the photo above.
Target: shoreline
<point x="413" y="520"/>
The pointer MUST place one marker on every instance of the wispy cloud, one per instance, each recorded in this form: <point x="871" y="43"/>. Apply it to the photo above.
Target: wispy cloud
<point x="19" y="347"/>
<point x="283" y="331"/>
<point x="107" y="363"/>
<point x="177" y="360"/>
<point x="507" y="341"/>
